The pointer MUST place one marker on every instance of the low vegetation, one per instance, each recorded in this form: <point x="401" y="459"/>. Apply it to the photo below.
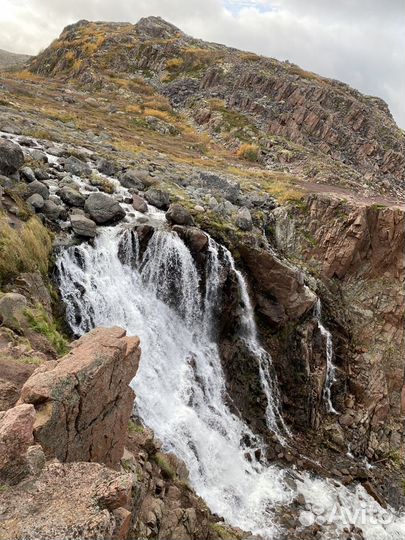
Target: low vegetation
<point x="250" y="152"/>
<point x="39" y="320"/>
<point x="23" y="249"/>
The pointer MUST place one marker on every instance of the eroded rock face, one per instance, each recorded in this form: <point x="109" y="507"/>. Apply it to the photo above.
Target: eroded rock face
<point x="282" y="292"/>
<point x="83" y="402"/>
<point x="357" y="250"/>
<point x="75" y="500"/>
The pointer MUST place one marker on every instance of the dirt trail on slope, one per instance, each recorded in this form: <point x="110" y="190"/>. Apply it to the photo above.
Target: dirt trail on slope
<point x="312" y="187"/>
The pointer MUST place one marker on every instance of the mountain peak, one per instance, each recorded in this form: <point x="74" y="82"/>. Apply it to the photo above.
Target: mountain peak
<point x="156" y="27"/>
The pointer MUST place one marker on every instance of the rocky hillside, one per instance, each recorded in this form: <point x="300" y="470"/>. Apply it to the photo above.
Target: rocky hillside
<point x="296" y="121"/>
<point x="9" y="59"/>
<point x="147" y="130"/>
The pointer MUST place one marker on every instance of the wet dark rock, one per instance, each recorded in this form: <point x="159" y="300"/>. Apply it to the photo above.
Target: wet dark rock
<point x="39" y="188"/>
<point x="27" y="174"/>
<point x="83" y="226"/>
<point x="195" y="239"/>
<point x="11" y="157"/>
<point x="179" y="215"/>
<point x="139" y="204"/>
<point x="77" y="167"/>
<point x="72" y="197"/>
<point x="103" y="208"/>
<point x="158" y="198"/>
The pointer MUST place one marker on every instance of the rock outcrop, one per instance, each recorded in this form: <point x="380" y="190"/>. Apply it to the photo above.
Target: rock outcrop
<point x="70" y="500"/>
<point x="83" y="402"/>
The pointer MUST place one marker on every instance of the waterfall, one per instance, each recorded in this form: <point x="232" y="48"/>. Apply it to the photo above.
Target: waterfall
<point x="270" y="389"/>
<point x="330" y="376"/>
<point x="180" y="385"/>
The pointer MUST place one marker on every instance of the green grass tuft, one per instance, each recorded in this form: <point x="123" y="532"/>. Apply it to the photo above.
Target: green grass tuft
<point x="40" y="321"/>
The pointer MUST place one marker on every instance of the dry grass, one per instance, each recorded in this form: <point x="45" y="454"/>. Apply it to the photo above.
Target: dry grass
<point x="174" y="63"/>
<point x="305" y="74"/>
<point x="26" y="75"/>
<point x="162" y="115"/>
<point x="158" y="102"/>
<point x="250" y="152"/>
<point x="26" y="249"/>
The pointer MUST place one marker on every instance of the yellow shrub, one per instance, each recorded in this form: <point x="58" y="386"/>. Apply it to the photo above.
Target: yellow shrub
<point x="174" y="63"/>
<point x="70" y="56"/>
<point x="158" y="102"/>
<point x="77" y="64"/>
<point x="162" y="115"/>
<point x="250" y="152"/>
<point x="134" y="108"/>
<point x="26" y="75"/>
<point x="26" y="249"/>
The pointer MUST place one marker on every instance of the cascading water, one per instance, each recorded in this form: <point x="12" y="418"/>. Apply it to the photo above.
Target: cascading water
<point x="330" y="377"/>
<point x="180" y="384"/>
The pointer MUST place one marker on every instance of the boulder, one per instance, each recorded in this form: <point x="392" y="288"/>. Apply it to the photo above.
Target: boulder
<point x="38" y="155"/>
<point x="139" y="204"/>
<point x="106" y="167"/>
<point x="244" y="220"/>
<point x="103" y="208"/>
<point x="36" y="201"/>
<point x="195" y="239"/>
<point x="12" y="307"/>
<point x="11" y="157"/>
<point x="76" y="166"/>
<point x="179" y="215"/>
<point x="279" y="282"/>
<point x="158" y="198"/>
<point x="83" y="226"/>
<point x="84" y="402"/>
<point x="16" y="436"/>
<point x="133" y="179"/>
<point x="72" y="197"/>
<point x="38" y="188"/>
<point x="13" y="375"/>
<point x="52" y="210"/>
<point x="27" y="174"/>
<point x="66" y="501"/>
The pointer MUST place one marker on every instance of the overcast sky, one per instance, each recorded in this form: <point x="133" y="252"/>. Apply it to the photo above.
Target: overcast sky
<point x="361" y="42"/>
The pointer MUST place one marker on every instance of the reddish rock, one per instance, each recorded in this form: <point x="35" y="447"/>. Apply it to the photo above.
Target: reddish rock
<point x="16" y="436"/>
<point x="83" y="402"/>
<point x="75" y="500"/>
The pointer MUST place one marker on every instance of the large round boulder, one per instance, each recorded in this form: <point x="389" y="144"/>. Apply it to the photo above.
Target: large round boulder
<point x="139" y="204"/>
<point x="179" y="215"/>
<point x="158" y="198"/>
<point x="133" y="179"/>
<point x="39" y="188"/>
<point x="76" y="166"/>
<point x="72" y="197"/>
<point x="11" y="157"/>
<point x="83" y="226"/>
<point x="103" y="209"/>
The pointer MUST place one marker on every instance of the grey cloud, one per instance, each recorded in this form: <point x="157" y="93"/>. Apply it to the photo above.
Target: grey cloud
<point x="361" y="42"/>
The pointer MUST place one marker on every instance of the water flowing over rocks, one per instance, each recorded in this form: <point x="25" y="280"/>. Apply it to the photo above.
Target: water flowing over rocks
<point x="271" y="320"/>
